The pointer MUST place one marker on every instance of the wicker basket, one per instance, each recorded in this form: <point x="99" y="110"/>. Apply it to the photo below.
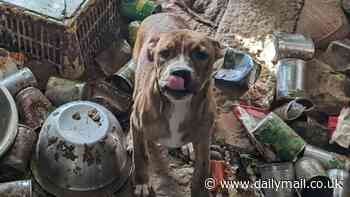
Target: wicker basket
<point x="68" y="35"/>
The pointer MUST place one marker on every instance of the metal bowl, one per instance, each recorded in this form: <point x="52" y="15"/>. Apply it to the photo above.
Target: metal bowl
<point x="8" y="121"/>
<point x="81" y="151"/>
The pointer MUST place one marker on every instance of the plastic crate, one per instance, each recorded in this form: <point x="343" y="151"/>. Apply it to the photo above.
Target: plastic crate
<point x="66" y="33"/>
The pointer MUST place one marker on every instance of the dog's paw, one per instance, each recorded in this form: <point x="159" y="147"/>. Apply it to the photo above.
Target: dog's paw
<point x="143" y="190"/>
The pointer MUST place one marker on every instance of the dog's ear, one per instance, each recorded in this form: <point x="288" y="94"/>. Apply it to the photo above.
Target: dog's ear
<point x="151" y="48"/>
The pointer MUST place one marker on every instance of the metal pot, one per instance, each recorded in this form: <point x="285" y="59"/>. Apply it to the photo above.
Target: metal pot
<point x="81" y="151"/>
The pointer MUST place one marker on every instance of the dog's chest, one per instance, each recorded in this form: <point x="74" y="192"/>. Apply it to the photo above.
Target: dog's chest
<point x="179" y="112"/>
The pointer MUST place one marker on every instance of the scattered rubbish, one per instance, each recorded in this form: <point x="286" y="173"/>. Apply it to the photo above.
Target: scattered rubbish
<point x="278" y="172"/>
<point x="115" y="100"/>
<point x="329" y="160"/>
<point x="61" y="91"/>
<point x="113" y="58"/>
<point x="19" y="155"/>
<point x="9" y="120"/>
<point x="133" y="29"/>
<point x="16" y="188"/>
<point x="291" y="79"/>
<point x="338" y="177"/>
<point x="33" y="107"/>
<point x="69" y="35"/>
<point x="238" y="69"/>
<point x="76" y="140"/>
<point x="139" y="9"/>
<point x="7" y="64"/>
<point x="280" y="45"/>
<point x="19" y="80"/>
<point x="294" y="109"/>
<point x="337" y="56"/>
<point x="323" y="22"/>
<point x="124" y="79"/>
<point x="273" y="133"/>
<point x="341" y="136"/>
<point x="311" y="170"/>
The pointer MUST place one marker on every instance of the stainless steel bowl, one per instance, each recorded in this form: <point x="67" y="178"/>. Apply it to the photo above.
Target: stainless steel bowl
<point x="81" y="151"/>
<point x="8" y="120"/>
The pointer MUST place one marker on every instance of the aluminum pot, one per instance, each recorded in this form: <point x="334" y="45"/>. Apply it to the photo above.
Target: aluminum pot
<point x="278" y="172"/>
<point x="81" y="151"/>
<point x="9" y="120"/>
<point x="312" y="171"/>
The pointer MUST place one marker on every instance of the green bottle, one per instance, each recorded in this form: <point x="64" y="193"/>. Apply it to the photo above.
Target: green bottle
<point x="138" y="9"/>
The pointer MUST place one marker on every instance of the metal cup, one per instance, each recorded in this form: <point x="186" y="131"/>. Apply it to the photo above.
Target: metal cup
<point x="338" y="178"/>
<point x="18" y="157"/>
<point x="33" y="107"/>
<point x="278" y="172"/>
<point x="60" y="91"/>
<point x="124" y="79"/>
<point x="312" y="171"/>
<point x="19" y="80"/>
<point x="16" y="188"/>
<point x="291" y="79"/>
<point x="329" y="160"/>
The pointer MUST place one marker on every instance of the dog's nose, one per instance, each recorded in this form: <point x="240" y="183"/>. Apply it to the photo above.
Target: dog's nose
<point x="183" y="73"/>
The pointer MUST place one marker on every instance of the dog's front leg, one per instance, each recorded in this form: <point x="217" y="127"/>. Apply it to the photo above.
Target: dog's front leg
<point x="201" y="168"/>
<point x="141" y="162"/>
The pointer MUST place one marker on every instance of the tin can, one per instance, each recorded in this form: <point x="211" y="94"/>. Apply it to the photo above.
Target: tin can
<point x="311" y="171"/>
<point x="133" y="29"/>
<point x="338" y="178"/>
<point x="278" y="172"/>
<point x="19" y="155"/>
<point x="16" y="188"/>
<point x="113" y="99"/>
<point x="294" y="109"/>
<point x="60" y="91"/>
<point x="124" y="79"/>
<point x="280" y="45"/>
<point x="33" y="107"/>
<point x="291" y="79"/>
<point x="19" y="80"/>
<point x="329" y="160"/>
<point x="275" y="134"/>
<point x="139" y="9"/>
<point x="7" y="65"/>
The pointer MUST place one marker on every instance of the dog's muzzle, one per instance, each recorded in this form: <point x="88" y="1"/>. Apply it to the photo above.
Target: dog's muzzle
<point x="177" y="81"/>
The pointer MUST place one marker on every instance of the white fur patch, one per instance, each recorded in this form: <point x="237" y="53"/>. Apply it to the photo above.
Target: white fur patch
<point x="180" y="108"/>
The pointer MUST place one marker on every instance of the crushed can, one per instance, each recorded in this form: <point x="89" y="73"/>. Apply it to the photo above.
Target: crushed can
<point x="19" y="80"/>
<point x="273" y="133"/>
<point x="139" y="9"/>
<point x="311" y="170"/>
<point x="33" y="107"/>
<point x="133" y="28"/>
<point x="291" y="79"/>
<point x="337" y="56"/>
<point x="238" y="69"/>
<point x="278" y="172"/>
<point x="280" y="45"/>
<point x="61" y="91"/>
<point x="294" y="109"/>
<point x="338" y="178"/>
<point x="7" y="64"/>
<point x="16" y="188"/>
<point x="111" y="98"/>
<point x="124" y="79"/>
<point x="18" y="157"/>
<point x="329" y="160"/>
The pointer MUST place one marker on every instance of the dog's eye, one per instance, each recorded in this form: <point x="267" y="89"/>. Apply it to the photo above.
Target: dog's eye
<point x="200" y="55"/>
<point x="164" y="53"/>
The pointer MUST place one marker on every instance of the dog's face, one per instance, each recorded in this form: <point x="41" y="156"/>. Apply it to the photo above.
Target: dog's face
<point x="184" y="61"/>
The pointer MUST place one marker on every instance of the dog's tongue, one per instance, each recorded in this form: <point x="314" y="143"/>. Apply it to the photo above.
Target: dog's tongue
<point x="176" y="83"/>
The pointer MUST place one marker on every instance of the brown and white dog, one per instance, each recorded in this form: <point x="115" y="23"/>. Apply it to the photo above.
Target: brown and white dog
<point x="172" y="98"/>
